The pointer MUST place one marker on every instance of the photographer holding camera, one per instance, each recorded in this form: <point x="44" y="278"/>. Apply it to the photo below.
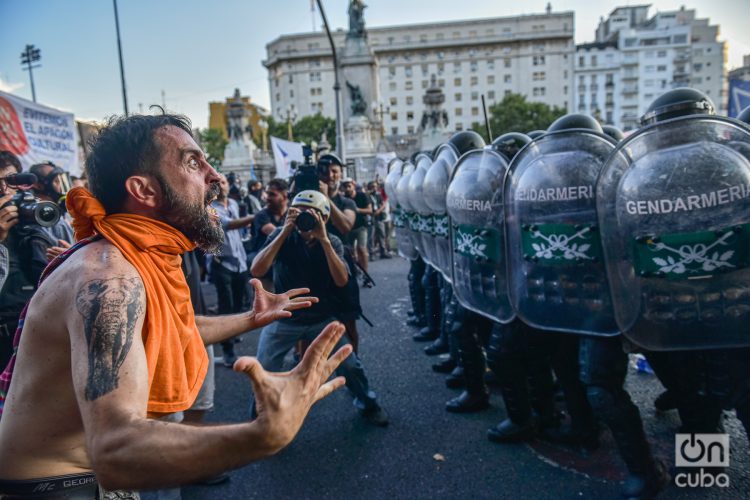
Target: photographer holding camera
<point x="9" y="165"/>
<point x="304" y="255"/>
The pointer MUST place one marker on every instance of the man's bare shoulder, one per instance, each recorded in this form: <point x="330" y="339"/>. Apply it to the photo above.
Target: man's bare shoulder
<point x="99" y="261"/>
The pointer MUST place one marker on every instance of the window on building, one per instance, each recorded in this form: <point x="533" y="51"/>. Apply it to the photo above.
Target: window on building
<point x="291" y="93"/>
<point x="581" y="80"/>
<point x="473" y="66"/>
<point x="425" y="83"/>
<point x="538" y="76"/>
<point x="459" y="111"/>
<point x="474" y="80"/>
<point x="491" y="95"/>
<point x="490" y="79"/>
<point x="394" y="115"/>
<point x="278" y="96"/>
<point x="459" y="126"/>
<point x="409" y="100"/>
<point x="441" y="82"/>
<point x="275" y="82"/>
<point x="679" y="39"/>
<point x="594" y="99"/>
<point x="456" y="34"/>
<point x="661" y="67"/>
<point x="565" y="89"/>
<point x="506" y="62"/>
<point x="392" y="86"/>
<point x="423" y="38"/>
<point x="457" y="97"/>
<point x="441" y="55"/>
<point x="456" y="67"/>
<point x="291" y="78"/>
<point x="407" y="71"/>
<point x="314" y="63"/>
<point x="507" y="92"/>
<point x="394" y="130"/>
<point x="425" y="70"/>
<point x="410" y="129"/>
<point x="439" y="36"/>
<point x="457" y="82"/>
<point x="538" y="60"/>
<point x="391" y="72"/>
<point x="581" y="61"/>
<point x="440" y="68"/>
<point x="474" y="96"/>
<point x="506" y="79"/>
<point x="409" y="85"/>
<point x="475" y="111"/>
<point x="490" y="64"/>
<point x="410" y="115"/>
<point x="630" y="42"/>
<point x="393" y="101"/>
<point x="661" y="53"/>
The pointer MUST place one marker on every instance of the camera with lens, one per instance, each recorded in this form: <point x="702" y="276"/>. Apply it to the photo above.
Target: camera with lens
<point x="33" y="211"/>
<point x="306" y="177"/>
<point x="306" y="221"/>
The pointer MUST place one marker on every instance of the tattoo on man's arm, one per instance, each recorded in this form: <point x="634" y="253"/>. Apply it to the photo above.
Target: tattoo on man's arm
<point x="110" y="310"/>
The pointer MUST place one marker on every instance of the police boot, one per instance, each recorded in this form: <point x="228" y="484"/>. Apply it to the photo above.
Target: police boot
<point x="647" y="475"/>
<point x="456" y="379"/>
<point x="445" y="366"/>
<point x="416" y="293"/>
<point x="432" y="307"/>
<point x="448" y="305"/>
<point x="476" y="396"/>
<point x="519" y="426"/>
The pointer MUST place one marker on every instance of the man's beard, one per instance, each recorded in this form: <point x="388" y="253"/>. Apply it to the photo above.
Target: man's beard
<point x="192" y="219"/>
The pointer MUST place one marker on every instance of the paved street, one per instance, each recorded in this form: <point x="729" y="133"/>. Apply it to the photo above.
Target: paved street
<point x="427" y="452"/>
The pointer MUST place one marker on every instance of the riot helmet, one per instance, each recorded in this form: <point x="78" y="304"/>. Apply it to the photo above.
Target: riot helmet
<point x="466" y="141"/>
<point x="575" y="121"/>
<point x="536" y="133"/>
<point x="678" y="102"/>
<point x="510" y="144"/>
<point x="614" y="132"/>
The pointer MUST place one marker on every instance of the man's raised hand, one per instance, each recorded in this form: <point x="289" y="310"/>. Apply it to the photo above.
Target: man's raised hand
<point x="269" y="307"/>
<point x="283" y="400"/>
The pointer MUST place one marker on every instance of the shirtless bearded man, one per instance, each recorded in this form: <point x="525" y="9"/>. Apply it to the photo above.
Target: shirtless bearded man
<point x="110" y="342"/>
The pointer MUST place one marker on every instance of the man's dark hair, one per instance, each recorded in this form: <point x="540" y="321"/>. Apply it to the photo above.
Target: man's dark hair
<point x="123" y="148"/>
<point x="278" y="184"/>
<point x="9" y="159"/>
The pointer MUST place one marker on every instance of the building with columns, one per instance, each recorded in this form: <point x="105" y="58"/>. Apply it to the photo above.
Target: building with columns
<point x="529" y="54"/>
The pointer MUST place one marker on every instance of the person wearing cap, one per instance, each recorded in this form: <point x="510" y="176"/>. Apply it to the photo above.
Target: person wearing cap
<point x="358" y="234"/>
<point x="303" y="255"/>
<point x="52" y="185"/>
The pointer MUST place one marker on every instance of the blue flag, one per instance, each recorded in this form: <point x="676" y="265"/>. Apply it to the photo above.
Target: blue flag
<point x="739" y="96"/>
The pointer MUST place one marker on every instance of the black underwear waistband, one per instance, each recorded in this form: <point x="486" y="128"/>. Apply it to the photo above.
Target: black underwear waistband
<point x="71" y="486"/>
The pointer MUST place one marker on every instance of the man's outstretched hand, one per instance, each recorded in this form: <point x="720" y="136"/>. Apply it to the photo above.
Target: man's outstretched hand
<point x="283" y="400"/>
<point x="269" y="307"/>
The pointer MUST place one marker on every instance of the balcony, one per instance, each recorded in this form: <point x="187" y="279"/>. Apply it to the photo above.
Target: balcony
<point x="630" y="89"/>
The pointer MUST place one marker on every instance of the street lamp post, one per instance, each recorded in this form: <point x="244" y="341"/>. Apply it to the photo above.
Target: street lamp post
<point x="336" y="86"/>
<point x="31" y="55"/>
<point x="122" y="67"/>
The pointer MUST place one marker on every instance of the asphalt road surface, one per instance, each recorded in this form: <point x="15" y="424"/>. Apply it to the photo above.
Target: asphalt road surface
<point x="426" y="452"/>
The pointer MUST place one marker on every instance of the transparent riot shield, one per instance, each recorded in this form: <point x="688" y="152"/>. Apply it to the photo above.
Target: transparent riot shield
<point x="404" y="242"/>
<point x="674" y="206"/>
<point x="475" y="206"/>
<point x="557" y="277"/>
<point x="435" y="188"/>
<point x="407" y="241"/>
<point x="422" y="221"/>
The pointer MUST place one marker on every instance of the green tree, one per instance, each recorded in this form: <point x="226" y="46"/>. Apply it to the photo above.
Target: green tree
<point x="213" y="143"/>
<point x="308" y="129"/>
<point x="515" y="114"/>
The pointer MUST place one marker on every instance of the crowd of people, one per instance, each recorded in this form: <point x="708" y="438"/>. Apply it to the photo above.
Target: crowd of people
<point x="129" y="357"/>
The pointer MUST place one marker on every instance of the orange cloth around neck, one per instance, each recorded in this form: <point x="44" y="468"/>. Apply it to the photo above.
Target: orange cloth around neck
<point x="176" y="357"/>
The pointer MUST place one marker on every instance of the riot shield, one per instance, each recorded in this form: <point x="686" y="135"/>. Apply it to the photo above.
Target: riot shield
<point x="406" y="239"/>
<point x="404" y="243"/>
<point x="475" y="206"/>
<point x="674" y="209"/>
<point x="557" y="277"/>
<point x="422" y="221"/>
<point x="435" y="187"/>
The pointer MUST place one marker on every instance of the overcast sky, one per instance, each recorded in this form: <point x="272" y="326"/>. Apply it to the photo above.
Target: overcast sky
<point x="198" y="51"/>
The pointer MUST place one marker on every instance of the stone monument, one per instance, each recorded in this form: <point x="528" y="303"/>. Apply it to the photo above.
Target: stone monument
<point x="239" y="151"/>
<point x="360" y="75"/>
<point x="433" y="129"/>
